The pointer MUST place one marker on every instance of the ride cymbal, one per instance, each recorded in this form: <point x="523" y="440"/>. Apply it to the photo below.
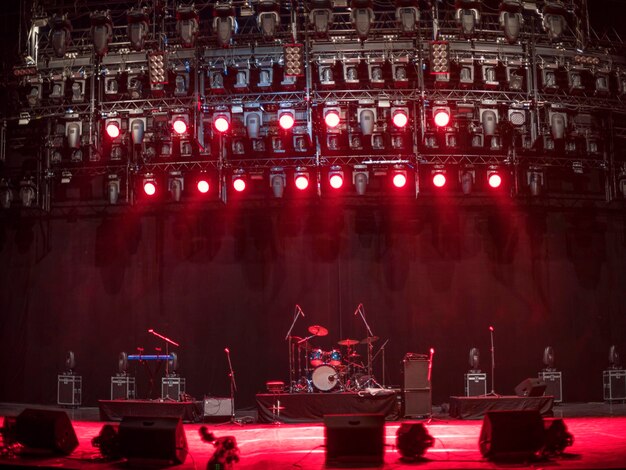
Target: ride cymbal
<point x="369" y="340"/>
<point x="348" y="342"/>
<point x="318" y="330"/>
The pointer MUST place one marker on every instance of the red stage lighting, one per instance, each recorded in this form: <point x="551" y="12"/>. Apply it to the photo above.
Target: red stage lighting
<point x="399" y="180"/>
<point x="336" y="181"/>
<point x="180" y="126"/>
<point x="495" y="180"/>
<point x="221" y="123"/>
<point x="441" y="116"/>
<point x="286" y="120"/>
<point x="149" y="188"/>
<point x="203" y="186"/>
<point x="302" y="182"/>
<point x="439" y="180"/>
<point x="400" y="118"/>
<point x="239" y="184"/>
<point x="332" y="118"/>
<point x="113" y="129"/>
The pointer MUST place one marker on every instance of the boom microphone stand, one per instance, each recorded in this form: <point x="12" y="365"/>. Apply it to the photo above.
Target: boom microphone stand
<point x="493" y="367"/>
<point x="293" y="348"/>
<point x="233" y="388"/>
<point x="168" y="341"/>
<point x="370" y="339"/>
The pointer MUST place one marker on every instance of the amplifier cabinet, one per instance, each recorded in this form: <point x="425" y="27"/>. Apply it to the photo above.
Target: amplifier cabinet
<point x="172" y="387"/>
<point x="554" y="384"/>
<point x="69" y="390"/>
<point x="123" y="387"/>
<point x="416" y="390"/>
<point x="417" y="403"/>
<point x="475" y="384"/>
<point x="216" y="408"/>
<point x="614" y="384"/>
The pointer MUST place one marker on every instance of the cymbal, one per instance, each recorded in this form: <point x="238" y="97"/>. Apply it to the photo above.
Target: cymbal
<point x="354" y="354"/>
<point x="318" y="330"/>
<point x="369" y="340"/>
<point x="348" y="342"/>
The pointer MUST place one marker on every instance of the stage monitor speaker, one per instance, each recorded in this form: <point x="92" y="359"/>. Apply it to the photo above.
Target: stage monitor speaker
<point x="531" y="387"/>
<point x="153" y="439"/>
<point x="49" y="430"/>
<point x="354" y="439"/>
<point x="511" y="435"/>
<point x="416" y="373"/>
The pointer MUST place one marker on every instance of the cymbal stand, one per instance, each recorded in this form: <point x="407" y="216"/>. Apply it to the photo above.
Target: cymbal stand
<point x="370" y="348"/>
<point x="297" y="311"/>
<point x="381" y="349"/>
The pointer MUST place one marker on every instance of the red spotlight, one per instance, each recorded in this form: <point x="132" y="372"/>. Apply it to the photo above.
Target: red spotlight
<point x="239" y="184"/>
<point x="399" y="180"/>
<point x="203" y="186"/>
<point x="400" y="118"/>
<point x="149" y="188"/>
<point x="180" y="126"/>
<point x="302" y="182"/>
<point x="441" y="116"/>
<point x="495" y="180"/>
<point x="439" y="180"/>
<point x="221" y="124"/>
<point x="332" y="118"/>
<point x="113" y="129"/>
<point x="286" y="120"/>
<point x="335" y="180"/>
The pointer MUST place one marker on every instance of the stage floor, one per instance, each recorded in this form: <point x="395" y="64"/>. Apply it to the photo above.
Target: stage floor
<point x="599" y="442"/>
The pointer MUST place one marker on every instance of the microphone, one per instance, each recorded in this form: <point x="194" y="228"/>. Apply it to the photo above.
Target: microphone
<point x="358" y="308"/>
<point x="300" y="310"/>
<point x="151" y="330"/>
<point x="226" y="350"/>
<point x="491" y="328"/>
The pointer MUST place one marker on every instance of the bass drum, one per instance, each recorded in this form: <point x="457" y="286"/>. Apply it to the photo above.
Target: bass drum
<point x="325" y="378"/>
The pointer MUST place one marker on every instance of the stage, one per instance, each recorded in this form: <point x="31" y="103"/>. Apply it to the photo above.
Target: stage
<point x="599" y="442"/>
<point x="307" y="407"/>
<point x="476" y="407"/>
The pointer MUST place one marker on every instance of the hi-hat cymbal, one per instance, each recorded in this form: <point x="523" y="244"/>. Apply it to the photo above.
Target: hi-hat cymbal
<point x="348" y="342"/>
<point x="318" y="330"/>
<point x="369" y="340"/>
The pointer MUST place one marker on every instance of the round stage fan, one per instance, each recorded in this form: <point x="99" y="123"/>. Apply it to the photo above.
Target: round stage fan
<point x="548" y="357"/>
<point x="474" y="358"/>
<point x="70" y="361"/>
<point x="122" y="363"/>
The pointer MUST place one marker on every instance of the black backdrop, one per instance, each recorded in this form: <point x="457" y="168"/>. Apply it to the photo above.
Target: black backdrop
<point x="427" y="275"/>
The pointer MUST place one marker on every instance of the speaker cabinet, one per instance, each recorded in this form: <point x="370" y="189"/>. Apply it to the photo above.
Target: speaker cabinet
<point x="417" y="403"/>
<point x="530" y="387"/>
<point x="354" y="439"/>
<point x="511" y="435"/>
<point x="49" y="430"/>
<point x="153" y="439"/>
<point x="416" y="373"/>
<point x="416" y="396"/>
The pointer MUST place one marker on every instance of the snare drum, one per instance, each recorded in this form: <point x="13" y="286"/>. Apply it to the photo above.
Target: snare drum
<point x="335" y="357"/>
<point x="316" y="357"/>
<point x="325" y="378"/>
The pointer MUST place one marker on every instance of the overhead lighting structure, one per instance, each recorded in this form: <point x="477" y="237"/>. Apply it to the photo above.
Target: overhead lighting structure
<point x="360" y="178"/>
<point x="332" y="117"/>
<point x="239" y="180"/>
<point x="362" y="17"/>
<point x="321" y="16"/>
<point x="137" y="127"/>
<point x="60" y="34"/>
<point x="149" y="184"/>
<point x="535" y="180"/>
<point x="294" y="60"/>
<point x="221" y="121"/>
<point x="439" y="55"/>
<point x="224" y="22"/>
<point x="73" y="133"/>
<point x="407" y="15"/>
<point x="278" y="179"/>
<point x="400" y="117"/>
<point x="335" y="177"/>
<point x="175" y="185"/>
<point x="113" y="188"/>
<point x="399" y="176"/>
<point x="137" y="28"/>
<point x="494" y="179"/>
<point x="187" y="24"/>
<point x="301" y="178"/>
<point x="157" y="71"/>
<point x="112" y="127"/>
<point x="28" y="192"/>
<point x="511" y="19"/>
<point x="268" y="17"/>
<point x="179" y="123"/>
<point x="441" y="115"/>
<point x="439" y="178"/>
<point x="467" y="178"/>
<point x="203" y="185"/>
<point x="554" y="19"/>
<point x="101" y="31"/>
<point x="467" y="15"/>
<point x="6" y="194"/>
<point x="286" y="118"/>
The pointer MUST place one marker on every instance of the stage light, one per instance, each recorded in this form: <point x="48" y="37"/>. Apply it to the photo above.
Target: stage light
<point x="149" y="184"/>
<point x="301" y="178"/>
<point x="112" y="127"/>
<point x="400" y="117"/>
<point x="34" y="96"/>
<point x="554" y="21"/>
<point x="439" y="179"/>
<point x="268" y="18"/>
<point x="157" y="71"/>
<point x="294" y="60"/>
<point x="367" y="120"/>
<point x="517" y="117"/>
<point x="60" y="34"/>
<point x="511" y="19"/>
<point x="362" y="16"/>
<point x="321" y="16"/>
<point x="175" y="185"/>
<point x="73" y="132"/>
<point x="179" y="124"/>
<point x="6" y="194"/>
<point x="28" y="192"/>
<point x="187" y="24"/>
<point x="332" y="117"/>
<point x="467" y="177"/>
<point x="534" y="178"/>
<point x="203" y="185"/>
<point x="360" y="178"/>
<point x="78" y="91"/>
<point x="335" y="177"/>
<point x="137" y="128"/>
<point x="253" y="121"/>
<point x="489" y="121"/>
<point x="113" y="188"/>
<point x="137" y="28"/>
<point x="494" y="179"/>
<point x="286" y="118"/>
<point x="239" y="181"/>
<point x="181" y="84"/>
<point x="399" y="177"/>
<point x="101" y="31"/>
<point x="558" y="124"/>
<point x="407" y="16"/>
<point x="439" y="55"/>
<point x="412" y="440"/>
<point x="221" y="122"/>
<point x="278" y="179"/>
<point x="224" y="23"/>
<point x="514" y="78"/>
<point x="467" y="15"/>
<point x="441" y="115"/>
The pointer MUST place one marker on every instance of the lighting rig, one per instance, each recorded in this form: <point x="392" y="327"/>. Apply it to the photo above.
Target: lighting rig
<point x="316" y="97"/>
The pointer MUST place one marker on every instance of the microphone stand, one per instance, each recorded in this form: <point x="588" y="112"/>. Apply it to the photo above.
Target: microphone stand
<point x="168" y="341"/>
<point x="493" y="367"/>
<point x="296" y="312"/>
<point x="370" y="347"/>
<point x="381" y="349"/>
<point x="233" y="388"/>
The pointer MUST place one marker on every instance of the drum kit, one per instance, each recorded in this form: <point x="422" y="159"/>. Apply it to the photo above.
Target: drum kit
<point x="338" y="370"/>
